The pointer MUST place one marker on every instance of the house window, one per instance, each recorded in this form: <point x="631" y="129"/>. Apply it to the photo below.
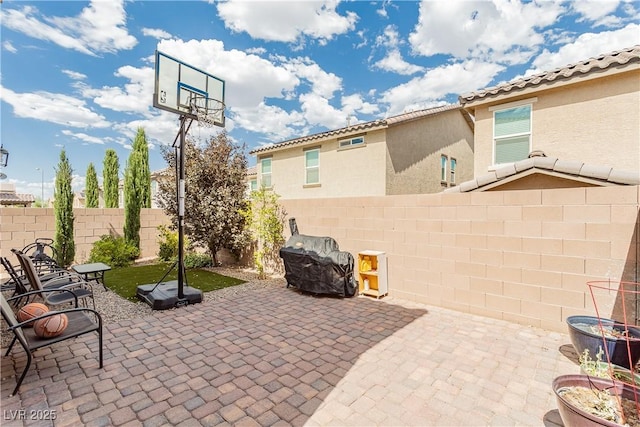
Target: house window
<point x="512" y="134"/>
<point x="443" y="168"/>
<point x="351" y="142"/>
<point x="265" y="172"/>
<point x="253" y="185"/>
<point x="452" y="170"/>
<point x="312" y="166"/>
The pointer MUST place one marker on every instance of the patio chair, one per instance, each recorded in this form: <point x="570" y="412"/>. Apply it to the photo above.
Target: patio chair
<point x="43" y="254"/>
<point x="81" y="289"/>
<point x="81" y="321"/>
<point x="17" y="282"/>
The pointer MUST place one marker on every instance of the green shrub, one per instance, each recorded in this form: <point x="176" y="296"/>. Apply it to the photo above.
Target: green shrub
<point x="195" y="260"/>
<point x="113" y="251"/>
<point x="168" y="243"/>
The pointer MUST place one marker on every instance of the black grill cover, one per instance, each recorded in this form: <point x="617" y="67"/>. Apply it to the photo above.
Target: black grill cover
<point x="316" y="265"/>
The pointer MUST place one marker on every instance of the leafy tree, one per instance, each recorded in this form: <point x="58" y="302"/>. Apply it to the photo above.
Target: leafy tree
<point x="63" y="205"/>
<point x="265" y="220"/>
<point x="141" y="146"/>
<point x="132" y="199"/>
<point x="92" y="191"/>
<point x="111" y="167"/>
<point x="215" y="194"/>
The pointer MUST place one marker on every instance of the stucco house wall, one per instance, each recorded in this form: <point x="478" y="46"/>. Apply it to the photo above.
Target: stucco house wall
<point x="596" y="121"/>
<point x="401" y="155"/>
<point x="414" y="150"/>
<point x="343" y="171"/>
<point x="588" y="112"/>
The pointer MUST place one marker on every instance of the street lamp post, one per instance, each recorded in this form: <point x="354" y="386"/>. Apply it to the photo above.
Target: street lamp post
<point x="41" y="186"/>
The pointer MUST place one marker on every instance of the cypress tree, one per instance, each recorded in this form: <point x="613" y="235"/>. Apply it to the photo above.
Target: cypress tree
<point x="110" y="171"/>
<point x="92" y="193"/>
<point x="63" y="207"/>
<point x="141" y="146"/>
<point x="132" y="201"/>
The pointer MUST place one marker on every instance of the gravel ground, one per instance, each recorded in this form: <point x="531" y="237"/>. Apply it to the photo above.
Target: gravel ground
<point x="114" y="308"/>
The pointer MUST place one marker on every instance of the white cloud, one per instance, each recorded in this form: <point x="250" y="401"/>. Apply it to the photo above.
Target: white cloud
<point x="54" y="108"/>
<point x="6" y="45"/>
<point x="271" y="120"/>
<point x="318" y="111"/>
<point x="322" y="83"/>
<point x="156" y="33"/>
<point x="133" y="97"/>
<point x="586" y="46"/>
<point x="100" y="27"/>
<point x="256" y="51"/>
<point x="485" y="30"/>
<point x="427" y="90"/>
<point x="354" y="103"/>
<point x="286" y="21"/>
<point x="75" y="75"/>
<point x="83" y="137"/>
<point x="395" y="63"/>
<point x="594" y="10"/>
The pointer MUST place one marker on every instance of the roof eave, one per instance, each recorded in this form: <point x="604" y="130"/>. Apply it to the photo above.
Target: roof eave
<point x="499" y="94"/>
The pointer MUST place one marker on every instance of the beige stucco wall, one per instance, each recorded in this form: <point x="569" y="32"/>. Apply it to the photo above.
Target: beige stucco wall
<point x="343" y="173"/>
<point x="521" y="256"/>
<point x="595" y="121"/>
<point x="21" y="226"/>
<point x="414" y="149"/>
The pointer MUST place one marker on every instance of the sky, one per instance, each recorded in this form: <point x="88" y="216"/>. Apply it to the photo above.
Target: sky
<point x="79" y="76"/>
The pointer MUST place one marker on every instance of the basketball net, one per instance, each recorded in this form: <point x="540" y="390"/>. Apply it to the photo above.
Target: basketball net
<point x="206" y="116"/>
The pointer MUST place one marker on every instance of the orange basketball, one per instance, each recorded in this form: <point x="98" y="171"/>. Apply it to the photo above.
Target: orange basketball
<point x="50" y="327"/>
<point x="31" y="311"/>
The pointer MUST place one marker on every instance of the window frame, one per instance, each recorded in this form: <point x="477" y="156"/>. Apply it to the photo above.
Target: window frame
<point x="496" y="139"/>
<point x="263" y="174"/>
<point x="444" y="162"/>
<point x="307" y="168"/>
<point x="348" y="143"/>
<point x="453" y="165"/>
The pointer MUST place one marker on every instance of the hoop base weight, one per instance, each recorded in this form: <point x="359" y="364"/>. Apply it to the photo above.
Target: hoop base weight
<point x="165" y="295"/>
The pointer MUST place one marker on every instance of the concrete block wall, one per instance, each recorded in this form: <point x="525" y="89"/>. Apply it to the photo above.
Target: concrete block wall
<point x="521" y="256"/>
<point x="21" y="226"/>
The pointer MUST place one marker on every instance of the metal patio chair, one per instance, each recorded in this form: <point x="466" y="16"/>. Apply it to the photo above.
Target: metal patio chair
<point x="81" y="321"/>
<point x="81" y="289"/>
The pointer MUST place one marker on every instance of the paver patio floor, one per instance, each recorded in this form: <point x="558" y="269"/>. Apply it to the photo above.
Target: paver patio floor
<point x="277" y="357"/>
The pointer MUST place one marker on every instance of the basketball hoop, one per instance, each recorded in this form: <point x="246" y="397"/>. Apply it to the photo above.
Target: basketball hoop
<point x="208" y="112"/>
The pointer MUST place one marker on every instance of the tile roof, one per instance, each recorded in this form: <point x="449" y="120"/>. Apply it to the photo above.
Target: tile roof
<point x="623" y="57"/>
<point x="569" y="168"/>
<point x="360" y="127"/>
<point x="11" y="198"/>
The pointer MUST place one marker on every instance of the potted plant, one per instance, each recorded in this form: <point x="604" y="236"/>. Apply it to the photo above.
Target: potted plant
<point x="621" y="344"/>
<point x="590" y="401"/>
<point x="598" y="368"/>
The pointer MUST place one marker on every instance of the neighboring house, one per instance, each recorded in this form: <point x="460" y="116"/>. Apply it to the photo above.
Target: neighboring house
<point x="417" y="152"/>
<point x="251" y="177"/>
<point x="154" y="178"/>
<point x="586" y="114"/>
<point x="9" y="197"/>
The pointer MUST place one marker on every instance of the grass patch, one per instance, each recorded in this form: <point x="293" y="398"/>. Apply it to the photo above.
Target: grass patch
<point x="125" y="280"/>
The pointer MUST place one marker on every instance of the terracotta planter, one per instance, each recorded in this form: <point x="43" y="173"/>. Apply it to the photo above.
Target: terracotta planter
<point x="617" y="347"/>
<point x="573" y="416"/>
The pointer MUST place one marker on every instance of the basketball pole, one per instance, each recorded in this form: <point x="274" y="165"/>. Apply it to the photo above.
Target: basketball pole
<point x="181" y="194"/>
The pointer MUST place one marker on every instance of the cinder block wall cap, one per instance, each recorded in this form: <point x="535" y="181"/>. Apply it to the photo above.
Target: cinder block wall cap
<point x="598" y="172"/>
<point x="568" y="166"/>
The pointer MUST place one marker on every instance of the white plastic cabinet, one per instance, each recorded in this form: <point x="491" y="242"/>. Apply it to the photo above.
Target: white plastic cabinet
<point x="372" y="273"/>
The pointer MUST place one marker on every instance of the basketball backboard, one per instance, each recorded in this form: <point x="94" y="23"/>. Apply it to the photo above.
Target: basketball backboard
<point x="186" y="90"/>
